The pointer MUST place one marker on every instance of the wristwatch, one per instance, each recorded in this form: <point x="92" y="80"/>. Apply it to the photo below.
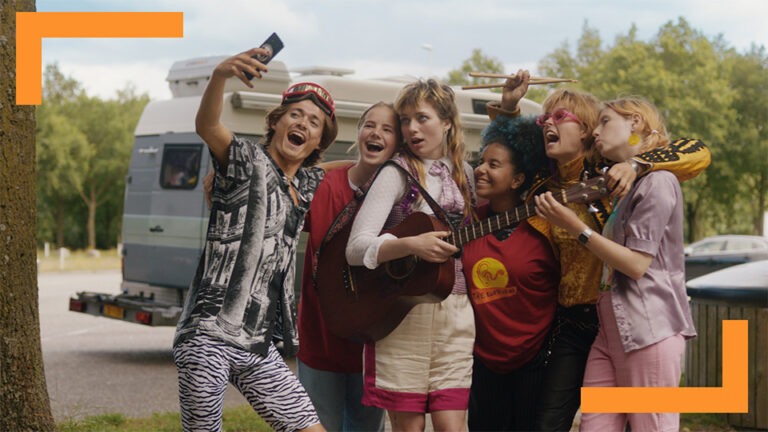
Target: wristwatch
<point x="584" y="236"/>
<point x="635" y="166"/>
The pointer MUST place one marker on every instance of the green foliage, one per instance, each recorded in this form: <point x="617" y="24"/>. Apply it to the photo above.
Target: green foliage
<point x="83" y="151"/>
<point x="705" y="90"/>
<point x="239" y="419"/>
<point x="477" y="62"/>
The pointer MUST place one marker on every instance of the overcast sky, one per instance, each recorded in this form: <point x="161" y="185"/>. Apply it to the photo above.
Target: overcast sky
<point x="378" y="38"/>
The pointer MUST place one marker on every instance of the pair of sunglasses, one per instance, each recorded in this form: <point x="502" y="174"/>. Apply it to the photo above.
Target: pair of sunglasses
<point x="558" y="117"/>
<point x="305" y="90"/>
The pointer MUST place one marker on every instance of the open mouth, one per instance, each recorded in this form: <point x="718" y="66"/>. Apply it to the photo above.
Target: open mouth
<point x="551" y="136"/>
<point x="416" y="140"/>
<point x="374" y="147"/>
<point x="296" y="138"/>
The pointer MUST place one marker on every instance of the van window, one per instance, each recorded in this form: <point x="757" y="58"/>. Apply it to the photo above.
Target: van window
<point x="479" y="106"/>
<point x="181" y="166"/>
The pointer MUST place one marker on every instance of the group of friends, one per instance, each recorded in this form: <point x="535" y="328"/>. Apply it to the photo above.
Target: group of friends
<point x="577" y="295"/>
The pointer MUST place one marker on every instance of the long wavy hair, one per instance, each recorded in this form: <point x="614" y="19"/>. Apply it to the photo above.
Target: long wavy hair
<point x="443" y="100"/>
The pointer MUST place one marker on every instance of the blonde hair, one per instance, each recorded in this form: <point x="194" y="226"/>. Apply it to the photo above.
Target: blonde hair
<point x="364" y="117"/>
<point x="442" y="99"/>
<point x="652" y="129"/>
<point x="584" y="105"/>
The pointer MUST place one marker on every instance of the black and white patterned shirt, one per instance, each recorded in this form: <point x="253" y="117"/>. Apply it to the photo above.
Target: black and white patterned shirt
<point x="244" y="281"/>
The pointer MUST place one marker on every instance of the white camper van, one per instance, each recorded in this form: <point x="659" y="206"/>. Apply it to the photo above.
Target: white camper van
<point x="165" y="217"/>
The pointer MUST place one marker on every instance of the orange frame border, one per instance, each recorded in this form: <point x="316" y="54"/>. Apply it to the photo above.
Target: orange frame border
<point x="31" y="27"/>
<point x="732" y="397"/>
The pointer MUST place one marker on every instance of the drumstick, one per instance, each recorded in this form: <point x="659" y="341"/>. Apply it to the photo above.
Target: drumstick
<point x="485" y="86"/>
<point x="532" y="79"/>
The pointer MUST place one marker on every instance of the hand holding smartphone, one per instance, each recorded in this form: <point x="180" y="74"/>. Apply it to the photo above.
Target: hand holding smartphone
<point x="272" y="45"/>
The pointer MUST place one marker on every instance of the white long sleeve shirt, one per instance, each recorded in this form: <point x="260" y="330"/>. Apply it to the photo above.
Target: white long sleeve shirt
<point x="386" y="191"/>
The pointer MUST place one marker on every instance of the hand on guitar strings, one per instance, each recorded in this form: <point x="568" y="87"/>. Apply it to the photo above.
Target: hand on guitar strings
<point x="557" y="214"/>
<point x="429" y="246"/>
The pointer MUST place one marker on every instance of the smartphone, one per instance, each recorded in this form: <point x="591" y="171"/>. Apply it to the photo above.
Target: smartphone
<point x="273" y="45"/>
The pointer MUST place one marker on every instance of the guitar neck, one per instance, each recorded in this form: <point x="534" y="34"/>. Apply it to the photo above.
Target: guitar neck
<point x="498" y="222"/>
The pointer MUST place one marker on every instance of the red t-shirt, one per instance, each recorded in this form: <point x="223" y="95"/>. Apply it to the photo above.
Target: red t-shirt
<point x="318" y="348"/>
<point x="513" y="288"/>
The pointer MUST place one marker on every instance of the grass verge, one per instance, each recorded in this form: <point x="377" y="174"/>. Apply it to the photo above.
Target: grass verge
<point x="238" y="419"/>
<point x="78" y="260"/>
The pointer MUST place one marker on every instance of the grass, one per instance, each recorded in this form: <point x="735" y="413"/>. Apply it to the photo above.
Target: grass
<point x="704" y="423"/>
<point x="238" y="419"/>
<point x="78" y="260"/>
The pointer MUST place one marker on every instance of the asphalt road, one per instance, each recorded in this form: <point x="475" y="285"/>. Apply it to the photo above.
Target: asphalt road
<point x="98" y="365"/>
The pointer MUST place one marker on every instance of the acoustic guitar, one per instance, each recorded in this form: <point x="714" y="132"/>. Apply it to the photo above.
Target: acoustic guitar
<point x="366" y="305"/>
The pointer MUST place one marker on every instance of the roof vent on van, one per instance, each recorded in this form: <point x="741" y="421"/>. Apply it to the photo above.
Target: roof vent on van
<point x="323" y="70"/>
<point x="189" y="77"/>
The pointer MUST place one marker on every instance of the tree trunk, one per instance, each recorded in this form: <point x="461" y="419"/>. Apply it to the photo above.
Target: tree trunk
<point x="91" y="225"/>
<point x="59" y="222"/>
<point x="761" y="204"/>
<point x="691" y="219"/>
<point x="24" y="403"/>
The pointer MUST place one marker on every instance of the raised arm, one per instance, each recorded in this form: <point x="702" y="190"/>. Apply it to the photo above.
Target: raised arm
<point x="514" y="90"/>
<point x="208" y="121"/>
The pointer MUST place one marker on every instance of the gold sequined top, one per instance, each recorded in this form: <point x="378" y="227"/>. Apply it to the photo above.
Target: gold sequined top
<point x="580" y="269"/>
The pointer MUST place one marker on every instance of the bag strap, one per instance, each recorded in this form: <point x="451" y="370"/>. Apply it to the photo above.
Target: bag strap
<point x="347" y="214"/>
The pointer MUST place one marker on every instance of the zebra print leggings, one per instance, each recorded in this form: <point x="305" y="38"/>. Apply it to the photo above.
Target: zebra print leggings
<point x="206" y="365"/>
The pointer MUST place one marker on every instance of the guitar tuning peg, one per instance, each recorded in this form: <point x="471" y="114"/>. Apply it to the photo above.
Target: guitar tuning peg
<point x="585" y="175"/>
<point x="604" y="170"/>
<point x="592" y="209"/>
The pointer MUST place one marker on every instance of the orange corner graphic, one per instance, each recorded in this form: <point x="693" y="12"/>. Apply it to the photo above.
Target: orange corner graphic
<point x="31" y="27"/>
<point x="732" y="397"/>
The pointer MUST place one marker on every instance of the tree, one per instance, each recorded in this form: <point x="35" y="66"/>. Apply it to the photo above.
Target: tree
<point x="108" y="127"/>
<point x="59" y="146"/>
<point x="477" y="62"/>
<point x="748" y="140"/>
<point x="24" y="403"/>
<point x="85" y="145"/>
<point x="689" y="78"/>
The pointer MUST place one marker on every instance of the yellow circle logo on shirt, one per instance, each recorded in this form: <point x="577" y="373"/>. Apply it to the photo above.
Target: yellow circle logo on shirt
<point x="489" y="273"/>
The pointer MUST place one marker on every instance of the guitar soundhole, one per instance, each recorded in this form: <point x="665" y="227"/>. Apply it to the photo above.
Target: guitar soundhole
<point x="401" y="268"/>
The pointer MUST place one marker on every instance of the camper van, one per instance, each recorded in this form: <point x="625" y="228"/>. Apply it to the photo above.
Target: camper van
<point x="165" y="217"/>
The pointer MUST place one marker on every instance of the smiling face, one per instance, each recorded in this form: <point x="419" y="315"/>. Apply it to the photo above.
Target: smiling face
<point x="563" y="141"/>
<point x="497" y="177"/>
<point x="612" y="136"/>
<point x="296" y="134"/>
<point x="423" y="130"/>
<point x="378" y="136"/>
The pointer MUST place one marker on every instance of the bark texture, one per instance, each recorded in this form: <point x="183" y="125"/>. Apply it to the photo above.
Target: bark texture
<point x="24" y="403"/>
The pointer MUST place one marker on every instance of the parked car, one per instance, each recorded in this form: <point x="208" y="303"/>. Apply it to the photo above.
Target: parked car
<point x="718" y="252"/>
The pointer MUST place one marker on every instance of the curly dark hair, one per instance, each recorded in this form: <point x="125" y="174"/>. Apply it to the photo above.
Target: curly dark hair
<point x="525" y="141"/>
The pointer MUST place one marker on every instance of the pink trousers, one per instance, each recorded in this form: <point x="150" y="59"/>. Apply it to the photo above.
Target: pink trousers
<point x="656" y="365"/>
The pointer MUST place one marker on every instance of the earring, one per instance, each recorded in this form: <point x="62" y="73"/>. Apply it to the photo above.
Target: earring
<point x="634" y="139"/>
